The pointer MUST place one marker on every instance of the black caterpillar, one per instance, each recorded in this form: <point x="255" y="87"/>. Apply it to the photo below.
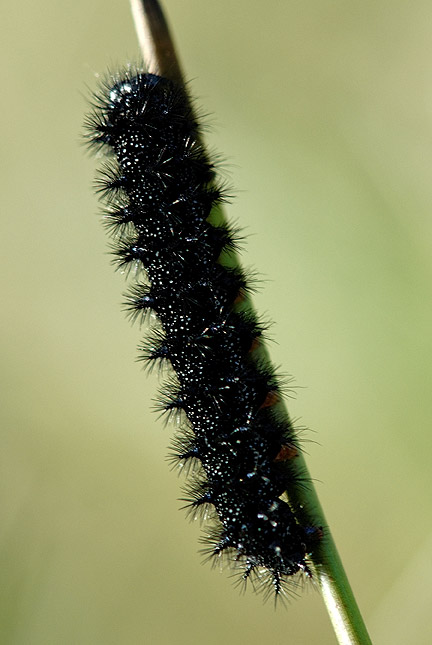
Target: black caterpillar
<point x="160" y="188"/>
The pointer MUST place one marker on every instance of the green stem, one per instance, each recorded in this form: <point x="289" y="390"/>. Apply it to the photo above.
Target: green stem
<point x="325" y="562"/>
<point x="160" y="58"/>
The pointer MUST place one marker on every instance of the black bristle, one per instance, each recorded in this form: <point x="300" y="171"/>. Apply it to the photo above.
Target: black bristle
<point x="161" y="189"/>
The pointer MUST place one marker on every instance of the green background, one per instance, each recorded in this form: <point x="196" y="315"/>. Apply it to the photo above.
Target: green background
<point x="322" y="111"/>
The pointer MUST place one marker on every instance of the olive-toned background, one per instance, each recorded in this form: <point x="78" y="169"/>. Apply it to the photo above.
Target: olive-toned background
<point x="323" y="113"/>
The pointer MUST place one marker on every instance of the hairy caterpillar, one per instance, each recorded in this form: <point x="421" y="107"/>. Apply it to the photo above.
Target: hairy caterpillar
<point x="161" y="188"/>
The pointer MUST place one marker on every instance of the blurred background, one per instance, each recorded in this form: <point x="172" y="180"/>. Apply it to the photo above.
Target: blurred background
<point x="322" y="112"/>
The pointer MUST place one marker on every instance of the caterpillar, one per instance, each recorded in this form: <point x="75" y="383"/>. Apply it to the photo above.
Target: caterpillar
<point x="161" y="192"/>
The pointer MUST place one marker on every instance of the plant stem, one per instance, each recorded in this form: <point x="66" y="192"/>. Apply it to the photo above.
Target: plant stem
<point x="160" y="58"/>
